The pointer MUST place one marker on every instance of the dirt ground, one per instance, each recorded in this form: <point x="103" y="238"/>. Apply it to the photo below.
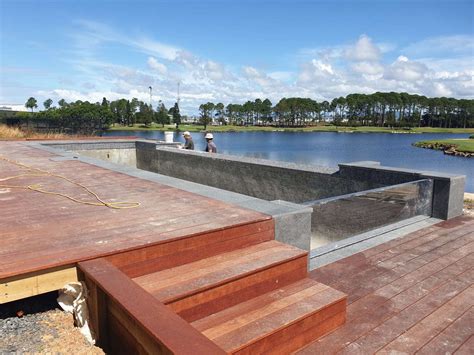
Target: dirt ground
<point x="42" y="329"/>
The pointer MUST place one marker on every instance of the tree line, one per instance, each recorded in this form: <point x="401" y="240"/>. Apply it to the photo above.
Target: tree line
<point x="389" y="109"/>
<point x="383" y="109"/>
<point x="85" y="117"/>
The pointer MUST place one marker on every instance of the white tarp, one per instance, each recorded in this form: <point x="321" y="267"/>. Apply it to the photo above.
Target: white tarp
<point x="72" y="299"/>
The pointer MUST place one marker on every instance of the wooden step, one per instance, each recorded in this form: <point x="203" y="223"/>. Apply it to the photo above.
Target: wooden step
<point x="180" y="251"/>
<point x="280" y="321"/>
<point x="206" y="286"/>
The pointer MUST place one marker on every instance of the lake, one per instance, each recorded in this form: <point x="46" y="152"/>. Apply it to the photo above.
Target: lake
<point x="330" y="148"/>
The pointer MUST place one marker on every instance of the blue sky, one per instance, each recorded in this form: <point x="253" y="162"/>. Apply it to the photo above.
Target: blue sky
<point x="232" y="51"/>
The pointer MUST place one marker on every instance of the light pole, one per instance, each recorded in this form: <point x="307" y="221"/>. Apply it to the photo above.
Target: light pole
<point x="178" y="93"/>
<point x="150" y="96"/>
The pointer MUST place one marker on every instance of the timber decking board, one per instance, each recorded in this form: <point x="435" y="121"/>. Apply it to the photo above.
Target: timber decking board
<point x="452" y="337"/>
<point x="171" y="284"/>
<point x="249" y="325"/>
<point x="241" y="289"/>
<point x="39" y="232"/>
<point x="146" y="260"/>
<point x="413" y="294"/>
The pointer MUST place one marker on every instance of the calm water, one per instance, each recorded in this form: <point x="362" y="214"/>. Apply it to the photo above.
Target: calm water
<point x="329" y="149"/>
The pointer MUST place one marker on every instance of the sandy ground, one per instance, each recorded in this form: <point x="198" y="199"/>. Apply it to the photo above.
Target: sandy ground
<point x="47" y="332"/>
<point x="469" y="204"/>
<point x="41" y="329"/>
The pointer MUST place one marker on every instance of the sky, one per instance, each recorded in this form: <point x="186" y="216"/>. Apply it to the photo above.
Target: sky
<point x="233" y="51"/>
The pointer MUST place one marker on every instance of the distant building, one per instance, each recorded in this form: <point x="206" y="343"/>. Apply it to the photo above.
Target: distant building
<point x="13" y="107"/>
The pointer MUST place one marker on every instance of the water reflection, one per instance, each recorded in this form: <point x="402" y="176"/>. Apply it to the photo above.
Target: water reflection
<point x="338" y="218"/>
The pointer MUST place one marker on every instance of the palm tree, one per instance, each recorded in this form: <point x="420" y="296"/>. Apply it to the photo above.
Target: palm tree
<point x="31" y="103"/>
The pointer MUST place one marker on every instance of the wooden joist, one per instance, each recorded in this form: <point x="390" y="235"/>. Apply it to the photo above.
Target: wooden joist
<point x="23" y="286"/>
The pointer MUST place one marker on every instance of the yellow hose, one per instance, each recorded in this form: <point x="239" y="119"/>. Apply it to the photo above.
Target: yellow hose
<point x="37" y="187"/>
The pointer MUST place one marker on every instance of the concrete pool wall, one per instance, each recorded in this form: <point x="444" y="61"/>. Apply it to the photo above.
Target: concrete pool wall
<point x="265" y="179"/>
<point x="311" y="205"/>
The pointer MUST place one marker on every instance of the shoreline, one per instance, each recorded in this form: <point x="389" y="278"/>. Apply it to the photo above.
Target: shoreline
<point x="334" y="129"/>
<point x="455" y="147"/>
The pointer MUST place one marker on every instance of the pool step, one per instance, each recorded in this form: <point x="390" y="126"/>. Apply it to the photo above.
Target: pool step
<point x="279" y="321"/>
<point x="201" y="288"/>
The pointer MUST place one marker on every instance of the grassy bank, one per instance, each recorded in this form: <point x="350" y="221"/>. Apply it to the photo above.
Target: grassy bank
<point x="455" y="145"/>
<point x="15" y="133"/>
<point x="321" y="128"/>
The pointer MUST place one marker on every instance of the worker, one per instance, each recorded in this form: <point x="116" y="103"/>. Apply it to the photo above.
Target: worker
<point x="189" y="144"/>
<point x="211" y="146"/>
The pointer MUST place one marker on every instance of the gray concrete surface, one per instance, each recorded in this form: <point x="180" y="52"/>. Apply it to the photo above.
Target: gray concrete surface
<point x="122" y="156"/>
<point x="264" y="179"/>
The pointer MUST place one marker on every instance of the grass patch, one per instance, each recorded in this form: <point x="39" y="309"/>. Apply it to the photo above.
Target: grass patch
<point x="469" y="204"/>
<point x="461" y="145"/>
<point x="318" y="128"/>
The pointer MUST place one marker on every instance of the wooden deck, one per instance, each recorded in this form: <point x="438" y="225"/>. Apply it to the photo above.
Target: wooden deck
<point x="154" y="270"/>
<point x="45" y="232"/>
<point x="413" y="294"/>
<point x="182" y="266"/>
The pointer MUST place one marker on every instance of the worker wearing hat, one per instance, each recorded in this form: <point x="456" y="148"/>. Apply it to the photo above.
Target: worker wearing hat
<point x="210" y="147"/>
<point x="189" y="144"/>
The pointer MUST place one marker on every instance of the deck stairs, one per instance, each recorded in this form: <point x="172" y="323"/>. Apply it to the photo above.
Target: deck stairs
<point x="250" y="298"/>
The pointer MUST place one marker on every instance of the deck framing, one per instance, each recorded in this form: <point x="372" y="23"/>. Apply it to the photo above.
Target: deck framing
<point x="39" y="282"/>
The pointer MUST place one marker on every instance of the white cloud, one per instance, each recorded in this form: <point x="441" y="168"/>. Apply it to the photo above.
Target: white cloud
<point x="405" y="70"/>
<point x="368" y="68"/>
<point x="155" y="48"/>
<point x="322" y="73"/>
<point x="260" y="78"/>
<point x="315" y="69"/>
<point x="363" y="69"/>
<point x="363" y="50"/>
<point x="281" y="75"/>
<point x="215" y="71"/>
<point x="441" y="46"/>
<point x="95" y="33"/>
<point x="440" y="89"/>
<point x="157" y="66"/>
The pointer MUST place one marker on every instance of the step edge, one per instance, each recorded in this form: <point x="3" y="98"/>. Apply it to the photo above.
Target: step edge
<point x="188" y="250"/>
<point x="137" y="248"/>
<point x="266" y="298"/>
<point x="307" y="315"/>
<point x="234" y="278"/>
<point x="270" y="241"/>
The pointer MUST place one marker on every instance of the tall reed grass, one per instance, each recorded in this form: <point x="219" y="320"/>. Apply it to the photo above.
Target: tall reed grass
<point x="7" y="132"/>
